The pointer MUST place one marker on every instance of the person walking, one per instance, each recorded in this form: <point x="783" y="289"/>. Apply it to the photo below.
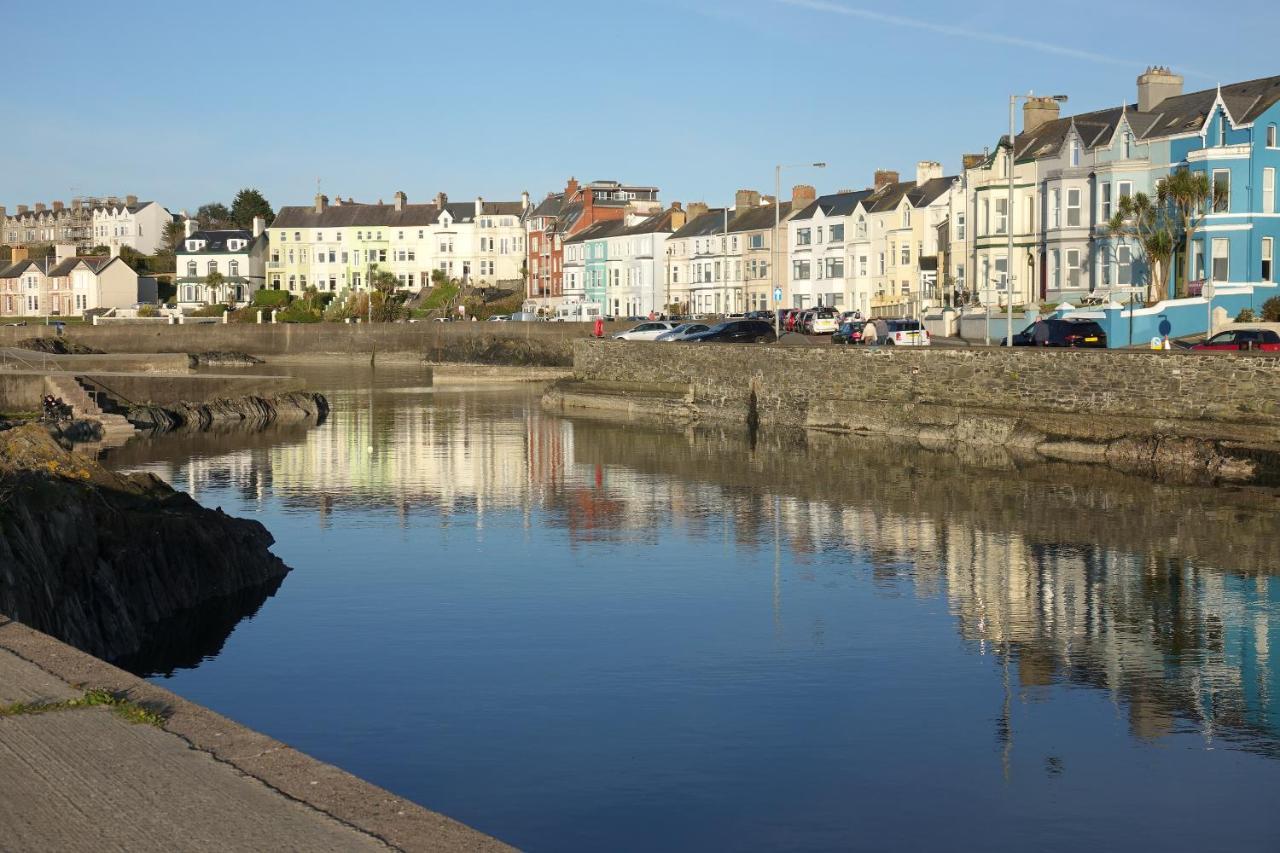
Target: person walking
<point x="869" y="333"/>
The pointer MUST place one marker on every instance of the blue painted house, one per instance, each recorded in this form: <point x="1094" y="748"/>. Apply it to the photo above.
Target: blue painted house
<point x="595" y="259"/>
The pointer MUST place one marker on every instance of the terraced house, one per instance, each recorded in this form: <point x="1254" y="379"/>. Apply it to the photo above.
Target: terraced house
<point x="332" y="247"/>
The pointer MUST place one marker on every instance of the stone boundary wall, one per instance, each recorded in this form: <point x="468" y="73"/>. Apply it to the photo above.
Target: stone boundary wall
<point x="1195" y="417"/>
<point x="516" y="341"/>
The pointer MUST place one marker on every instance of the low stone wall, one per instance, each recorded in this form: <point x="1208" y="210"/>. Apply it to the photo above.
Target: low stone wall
<point x="1181" y="415"/>
<point x="548" y="344"/>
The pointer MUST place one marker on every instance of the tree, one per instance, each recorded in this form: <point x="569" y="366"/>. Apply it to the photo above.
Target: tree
<point x="388" y="303"/>
<point x="174" y="232"/>
<point x="1152" y="227"/>
<point x="214" y="281"/>
<point x="214" y="216"/>
<point x="249" y="203"/>
<point x="1189" y="193"/>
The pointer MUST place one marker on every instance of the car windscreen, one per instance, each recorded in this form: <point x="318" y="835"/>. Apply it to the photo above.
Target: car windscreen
<point x="904" y="325"/>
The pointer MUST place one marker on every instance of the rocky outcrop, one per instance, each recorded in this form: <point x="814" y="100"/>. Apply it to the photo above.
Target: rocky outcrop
<point x="95" y="558"/>
<point x="237" y="411"/>
<point x="57" y="346"/>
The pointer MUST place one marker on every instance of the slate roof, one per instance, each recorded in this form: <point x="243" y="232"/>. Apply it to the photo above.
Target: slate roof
<point x="652" y="224"/>
<point x="711" y="222"/>
<point x="353" y="215"/>
<point x="549" y="206"/>
<point x="216" y="241"/>
<point x="923" y="195"/>
<point x="758" y="218"/>
<point x="14" y="270"/>
<point x="609" y="228"/>
<point x="93" y="262"/>
<point x="834" y="204"/>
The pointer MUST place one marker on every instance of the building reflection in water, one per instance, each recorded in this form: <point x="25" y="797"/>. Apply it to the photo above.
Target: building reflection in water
<point x="1164" y="598"/>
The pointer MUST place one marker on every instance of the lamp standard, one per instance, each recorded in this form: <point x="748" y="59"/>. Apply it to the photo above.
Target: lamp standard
<point x="1009" y="213"/>
<point x="777" y="221"/>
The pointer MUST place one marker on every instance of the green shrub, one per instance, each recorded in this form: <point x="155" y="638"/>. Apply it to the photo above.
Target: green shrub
<point x="209" y="311"/>
<point x="271" y="298"/>
<point x="148" y="311"/>
<point x="298" y="313"/>
<point x="1246" y="315"/>
<point x="1271" y="310"/>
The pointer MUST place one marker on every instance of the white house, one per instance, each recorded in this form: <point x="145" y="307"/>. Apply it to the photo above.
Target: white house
<point x="238" y="256"/>
<point x="138" y="225"/>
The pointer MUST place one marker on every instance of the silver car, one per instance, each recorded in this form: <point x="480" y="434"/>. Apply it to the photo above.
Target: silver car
<point x="680" y="331"/>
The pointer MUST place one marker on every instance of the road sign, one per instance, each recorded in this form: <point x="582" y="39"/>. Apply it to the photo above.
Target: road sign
<point x="777" y="295"/>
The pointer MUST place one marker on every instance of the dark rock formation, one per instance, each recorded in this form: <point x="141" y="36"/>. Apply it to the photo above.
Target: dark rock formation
<point x="57" y="346"/>
<point x="95" y="558"/>
<point x="240" y="411"/>
<point x="219" y="358"/>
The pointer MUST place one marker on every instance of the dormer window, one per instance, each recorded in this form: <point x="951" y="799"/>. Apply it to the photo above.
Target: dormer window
<point x="193" y="245"/>
<point x="235" y="245"/>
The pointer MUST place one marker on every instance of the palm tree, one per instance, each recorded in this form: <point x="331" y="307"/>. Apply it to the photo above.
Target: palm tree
<point x="214" y="281"/>
<point x="1189" y="194"/>
<point x="1149" y="225"/>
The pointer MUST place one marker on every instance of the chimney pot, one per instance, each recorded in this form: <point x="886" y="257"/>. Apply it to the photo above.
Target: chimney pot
<point x="1037" y="112"/>
<point x="1156" y="85"/>
<point x="885" y="177"/>
<point x="802" y="195"/>
<point x="927" y="170"/>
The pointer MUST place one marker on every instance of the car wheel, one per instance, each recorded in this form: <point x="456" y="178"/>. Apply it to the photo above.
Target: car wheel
<point x="888" y="342"/>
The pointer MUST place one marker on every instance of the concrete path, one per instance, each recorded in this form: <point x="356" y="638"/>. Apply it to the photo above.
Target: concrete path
<point x="85" y="778"/>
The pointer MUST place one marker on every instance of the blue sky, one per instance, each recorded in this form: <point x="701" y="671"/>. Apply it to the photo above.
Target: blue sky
<point x="186" y="104"/>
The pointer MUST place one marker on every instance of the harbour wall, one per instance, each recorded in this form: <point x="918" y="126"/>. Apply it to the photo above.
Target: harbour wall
<point x="1195" y="417"/>
<point x="545" y="344"/>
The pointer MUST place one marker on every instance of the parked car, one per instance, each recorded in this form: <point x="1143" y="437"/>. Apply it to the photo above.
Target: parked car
<point x="499" y="318"/>
<point x="850" y="317"/>
<point x="850" y="332"/>
<point x="735" y="332"/>
<point x="822" y="321"/>
<point x="681" y="330"/>
<point x="1061" y="332"/>
<point x="647" y="331"/>
<point x="1234" y="340"/>
<point x="906" y="333"/>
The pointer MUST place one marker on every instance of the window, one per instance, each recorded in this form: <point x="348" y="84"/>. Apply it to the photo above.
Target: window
<point x="819" y="233"/>
<point x="1073" y="269"/>
<point x="1271" y="136"/>
<point x="837" y="233"/>
<point x="1221" y="191"/>
<point x="1222" y="130"/>
<point x="233" y="268"/>
<point x="986" y="216"/>
<point x="835" y="267"/>
<point x="1197" y="259"/>
<point x="1128" y="145"/>
<point x="1073" y="208"/>
<point x="757" y="241"/>
<point x="1104" y="193"/>
<point x="1124" y="189"/>
<point x="906" y="217"/>
<point x="1269" y="190"/>
<point x="1002" y="216"/>
<point x="1055" y="208"/>
<point x="960" y="225"/>
<point x="1104" y="267"/>
<point x="1124" y="266"/>
<point x="800" y="270"/>
<point x="1001" y="266"/>
<point x="803" y="237"/>
<point x="1221" y="249"/>
<point x="213" y="267"/>
<point x="1056" y="272"/>
<point x="906" y="254"/>
<point x="862" y="227"/>
<point x="881" y="264"/>
<point x="1267" y="246"/>
<point x="862" y="266"/>
<point x="1075" y="152"/>
<point x="191" y="269"/>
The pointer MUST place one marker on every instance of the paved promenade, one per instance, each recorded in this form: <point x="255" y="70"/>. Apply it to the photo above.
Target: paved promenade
<point x="85" y="777"/>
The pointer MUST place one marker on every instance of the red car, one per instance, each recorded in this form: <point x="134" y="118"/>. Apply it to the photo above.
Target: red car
<point x="1262" y="340"/>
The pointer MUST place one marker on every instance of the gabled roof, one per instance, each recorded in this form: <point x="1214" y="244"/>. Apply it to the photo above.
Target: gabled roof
<point x="599" y="231"/>
<point x="711" y="222"/>
<point x="355" y="215"/>
<point x="923" y="195"/>
<point x="549" y="206"/>
<point x="93" y="262"/>
<point x="16" y="269"/>
<point x="651" y="224"/>
<point x="758" y="218"/>
<point x="887" y="197"/>
<point x="1094" y="128"/>
<point x="835" y="204"/>
<point x="465" y="211"/>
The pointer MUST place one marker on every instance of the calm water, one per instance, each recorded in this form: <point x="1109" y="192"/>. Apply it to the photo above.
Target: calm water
<point x="593" y="637"/>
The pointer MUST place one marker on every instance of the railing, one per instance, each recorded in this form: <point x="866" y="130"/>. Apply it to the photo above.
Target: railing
<point x="100" y="393"/>
<point x="12" y="360"/>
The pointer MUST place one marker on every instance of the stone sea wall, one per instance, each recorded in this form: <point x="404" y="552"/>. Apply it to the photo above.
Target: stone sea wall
<point x="1195" y="417"/>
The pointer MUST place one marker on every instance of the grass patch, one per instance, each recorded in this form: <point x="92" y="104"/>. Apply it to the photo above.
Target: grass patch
<point x="440" y="296"/>
<point x="126" y="709"/>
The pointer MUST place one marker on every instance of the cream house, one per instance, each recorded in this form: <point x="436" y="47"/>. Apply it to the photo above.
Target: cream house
<point x="138" y="225"/>
<point x="237" y="256"/>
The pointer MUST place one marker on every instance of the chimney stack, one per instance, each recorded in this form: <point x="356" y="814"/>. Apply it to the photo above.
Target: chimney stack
<point x="570" y="189"/>
<point x="1155" y="85"/>
<point x="57" y="206"/>
<point x="927" y="170"/>
<point x="745" y="200"/>
<point x="322" y="203"/>
<point x="479" y="207"/>
<point x="401" y="199"/>
<point x="259" y="226"/>
<point x="4" y="212"/>
<point x="802" y="195"/>
<point x="63" y="251"/>
<point x="1037" y="112"/>
<point x="972" y="161"/>
<point x="20" y="253"/>
<point x="524" y="200"/>
<point x="115" y="249"/>
<point x="22" y="208"/>
<point x="678" y="217"/>
<point x="131" y="200"/>
<point x="696" y="209"/>
<point x="39" y="207"/>
<point x="76" y="204"/>
<point x="885" y="177"/>
<point x="441" y="201"/>
<point x="189" y="226"/>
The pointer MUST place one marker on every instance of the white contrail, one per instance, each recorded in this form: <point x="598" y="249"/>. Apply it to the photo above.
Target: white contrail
<point x="950" y="30"/>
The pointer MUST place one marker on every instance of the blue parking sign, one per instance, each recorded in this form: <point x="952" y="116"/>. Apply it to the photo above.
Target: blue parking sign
<point x="777" y="295"/>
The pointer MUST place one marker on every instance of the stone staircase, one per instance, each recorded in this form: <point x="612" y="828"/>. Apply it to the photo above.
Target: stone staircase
<point x="116" y="429"/>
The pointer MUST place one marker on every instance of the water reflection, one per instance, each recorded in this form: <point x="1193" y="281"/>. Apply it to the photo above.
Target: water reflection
<point x="1163" y="600"/>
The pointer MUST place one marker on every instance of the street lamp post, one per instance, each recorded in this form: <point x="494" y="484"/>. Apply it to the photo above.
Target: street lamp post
<point x="777" y="221"/>
<point x="1009" y="214"/>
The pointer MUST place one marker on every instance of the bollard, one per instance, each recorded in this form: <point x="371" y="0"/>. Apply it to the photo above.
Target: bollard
<point x="273" y="315"/>
<point x="226" y="317"/>
<point x="259" y="316"/>
<point x="95" y="319"/>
